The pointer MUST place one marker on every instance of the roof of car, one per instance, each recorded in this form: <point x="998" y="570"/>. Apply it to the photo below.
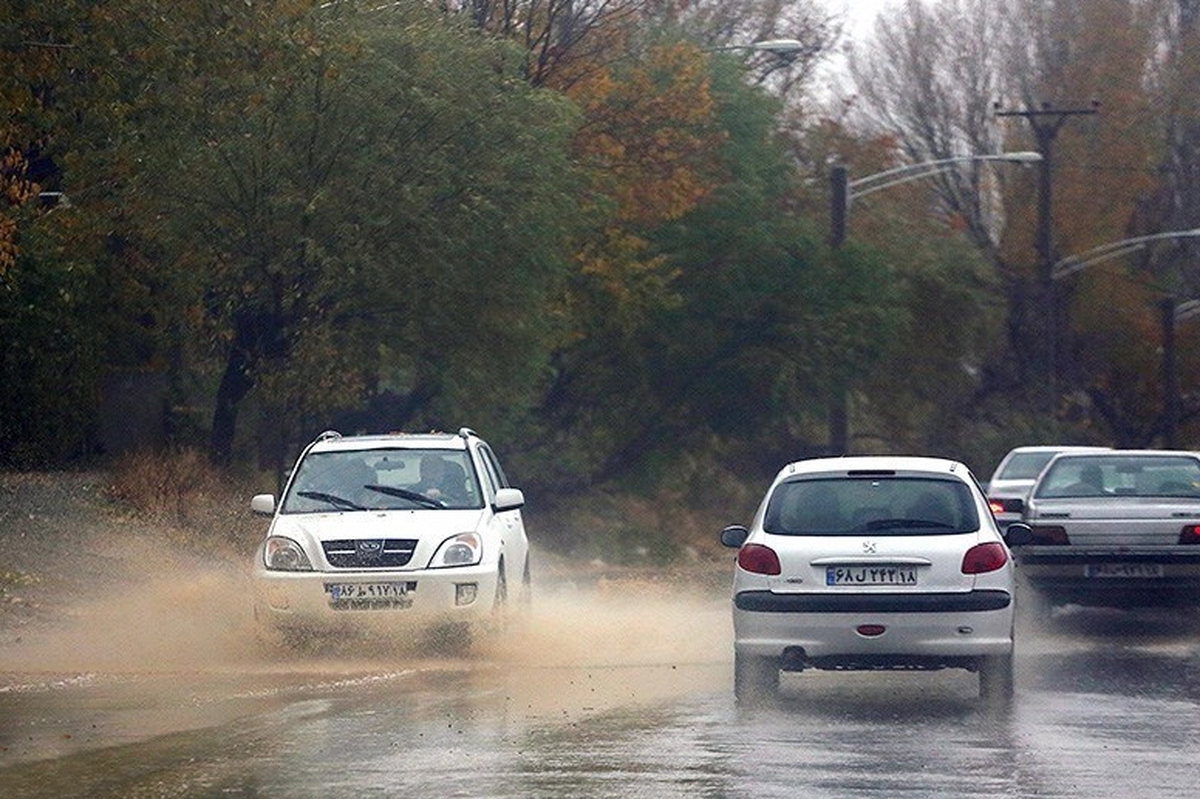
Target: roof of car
<point x="331" y="440"/>
<point x="1057" y="448"/>
<point x="861" y="463"/>
<point x="1123" y="453"/>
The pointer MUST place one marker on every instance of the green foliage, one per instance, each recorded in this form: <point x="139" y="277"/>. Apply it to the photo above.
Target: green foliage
<point x="763" y="320"/>
<point x="49" y="370"/>
<point x="364" y="199"/>
<point x="928" y="372"/>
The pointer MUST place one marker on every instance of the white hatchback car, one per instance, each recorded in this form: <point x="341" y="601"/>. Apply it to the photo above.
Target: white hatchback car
<point x="393" y="533"/>
<point x="872" y="562"/>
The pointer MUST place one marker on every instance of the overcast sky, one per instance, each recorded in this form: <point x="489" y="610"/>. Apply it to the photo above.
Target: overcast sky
<point x="860" y="14"/>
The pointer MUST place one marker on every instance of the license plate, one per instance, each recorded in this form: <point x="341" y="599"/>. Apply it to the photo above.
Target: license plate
<point x="1123" y="570"/>
<point x="870" y="575"/>
<point x="370" y="596"/>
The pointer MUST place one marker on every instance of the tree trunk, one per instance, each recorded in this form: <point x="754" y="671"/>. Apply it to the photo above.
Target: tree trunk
<point x="235" y="384"/>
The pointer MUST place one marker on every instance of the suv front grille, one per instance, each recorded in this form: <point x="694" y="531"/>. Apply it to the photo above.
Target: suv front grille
<point x="369" y="553"/>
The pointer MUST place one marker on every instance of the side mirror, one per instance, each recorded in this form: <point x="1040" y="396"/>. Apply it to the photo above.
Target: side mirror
<point x="508" y="499"/>
<point x="734" y="535"/>
<point x="1018" y="534"/>
<point x="263" y="504"/>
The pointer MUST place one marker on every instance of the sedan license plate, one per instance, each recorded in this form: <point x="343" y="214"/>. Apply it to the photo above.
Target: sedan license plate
<point x="370" y="596"/>
<point x="870" y="575"/>
<point x="1104" y="570"/>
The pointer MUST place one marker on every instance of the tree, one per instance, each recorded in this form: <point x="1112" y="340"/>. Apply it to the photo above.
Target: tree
<point x="75" y="296"/>
<point x="932" y="81"/>
<point x="350" y="188"/>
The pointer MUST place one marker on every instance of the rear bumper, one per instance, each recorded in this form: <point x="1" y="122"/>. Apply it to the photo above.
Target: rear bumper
<point x="1117" y="578"/>
<point x="968" y="602"/>
<point x="933" y="630"/>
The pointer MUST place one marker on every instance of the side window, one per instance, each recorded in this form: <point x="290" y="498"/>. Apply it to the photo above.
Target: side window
<point x="492" y="466"/>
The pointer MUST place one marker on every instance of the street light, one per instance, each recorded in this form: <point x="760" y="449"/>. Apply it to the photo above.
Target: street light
<point x="1172" y="313"/>
<point x="786" y="49"/>
<point x="842" y="192"/>
<point x="1115" y="249"/>
<point x="846" y="190"/>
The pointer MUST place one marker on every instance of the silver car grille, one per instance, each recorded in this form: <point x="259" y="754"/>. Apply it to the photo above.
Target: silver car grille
<point x="369" y="553"/>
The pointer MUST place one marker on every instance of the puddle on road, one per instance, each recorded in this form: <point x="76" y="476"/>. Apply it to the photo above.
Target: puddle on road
<point x="180" y="653"/>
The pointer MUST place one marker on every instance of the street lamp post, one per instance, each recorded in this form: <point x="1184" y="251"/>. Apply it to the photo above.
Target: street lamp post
<point x="783" y="48"/>
<point x="1171" y="313"/>
<point x="843" y="191"/>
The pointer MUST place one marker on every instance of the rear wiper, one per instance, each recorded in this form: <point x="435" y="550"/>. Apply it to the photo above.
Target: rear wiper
<point x="404" y="493"/>
<point x="893" y="524"/>
<point x="330" y="499"/>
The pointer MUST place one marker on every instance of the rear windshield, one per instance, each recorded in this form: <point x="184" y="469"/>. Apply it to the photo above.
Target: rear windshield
<point x="877" y="505"/>
<point x="1122" y="475"/>
<point x="1024" y="465"/>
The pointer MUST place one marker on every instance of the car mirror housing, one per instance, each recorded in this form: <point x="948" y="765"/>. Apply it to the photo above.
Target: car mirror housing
<point x="1018" y="534"/>
<point x="734" y="535"/>
<point x="263" y="504"/>
<point x="509" y="499"/>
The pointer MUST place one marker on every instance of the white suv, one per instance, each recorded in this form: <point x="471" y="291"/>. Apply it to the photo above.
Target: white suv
<point x="391" y="533"/>
<point x="873" y="562"/>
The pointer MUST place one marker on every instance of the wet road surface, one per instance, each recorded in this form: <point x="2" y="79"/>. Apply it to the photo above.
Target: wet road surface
<point x="602" y="695"/>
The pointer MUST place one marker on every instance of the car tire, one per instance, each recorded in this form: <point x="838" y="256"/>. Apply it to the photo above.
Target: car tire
<point x="996" y="678"/>
<point x="522" y="605"/>
<point x="755" y="679"/>
<point x="500" y="603"/>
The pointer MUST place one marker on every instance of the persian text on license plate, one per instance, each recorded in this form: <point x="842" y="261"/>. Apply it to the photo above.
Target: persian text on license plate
<point x="370" y="596"/>
<point x="870" y="575"/>
<point x="1123" y="570"/>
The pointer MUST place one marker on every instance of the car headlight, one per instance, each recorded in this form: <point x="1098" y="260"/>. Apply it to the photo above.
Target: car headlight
<point x="464" y="549"/>
<point x="285" y="555"/>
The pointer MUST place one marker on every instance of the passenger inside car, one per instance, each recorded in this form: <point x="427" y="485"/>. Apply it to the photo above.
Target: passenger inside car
<point x="1090" y="483"/>
<point x="441" y="479"/>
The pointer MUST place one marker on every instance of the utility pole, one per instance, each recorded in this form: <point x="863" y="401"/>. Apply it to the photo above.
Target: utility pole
<point x="839" y="402"/>
<point x="1169" y="372"/>
<point x="1046" y="122"/>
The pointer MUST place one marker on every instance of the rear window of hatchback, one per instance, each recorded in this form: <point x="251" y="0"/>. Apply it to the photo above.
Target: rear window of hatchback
<point x="874" y="505"/>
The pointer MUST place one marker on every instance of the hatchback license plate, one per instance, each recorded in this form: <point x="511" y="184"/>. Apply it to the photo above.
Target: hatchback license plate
<point x="369" y="596"/>
<point x="1123" y="570"/>
<point x="870" y="575"/>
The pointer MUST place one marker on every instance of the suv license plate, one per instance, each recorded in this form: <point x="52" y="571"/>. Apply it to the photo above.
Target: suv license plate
<point x="370" y="596"/>
<point x="870" y="575"/>
<point x="1103" y="570"/>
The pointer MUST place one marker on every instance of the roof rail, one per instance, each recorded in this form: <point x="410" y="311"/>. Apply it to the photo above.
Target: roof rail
<point x="328" y="434"/>
<point x="466" y="432"/>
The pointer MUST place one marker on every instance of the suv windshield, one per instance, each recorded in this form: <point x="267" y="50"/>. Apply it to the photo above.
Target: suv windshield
<point x="876" y="504"/>
<point x="383" y="479"/>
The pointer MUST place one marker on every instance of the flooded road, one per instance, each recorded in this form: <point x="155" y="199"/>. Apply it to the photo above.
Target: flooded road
<point x="608" y="692"/>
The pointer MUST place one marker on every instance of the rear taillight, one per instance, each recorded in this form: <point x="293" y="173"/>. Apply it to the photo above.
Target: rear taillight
<point x="1050" y="535"/>
<point x="999" y="505"/>
<point x="983" y="558"/>
<point x="758" y="559"/>
<point x="1190" y="534"/>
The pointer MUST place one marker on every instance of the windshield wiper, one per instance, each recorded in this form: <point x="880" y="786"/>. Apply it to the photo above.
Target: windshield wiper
<point x="330" y="499"/>
<point x="404" y="493"/>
